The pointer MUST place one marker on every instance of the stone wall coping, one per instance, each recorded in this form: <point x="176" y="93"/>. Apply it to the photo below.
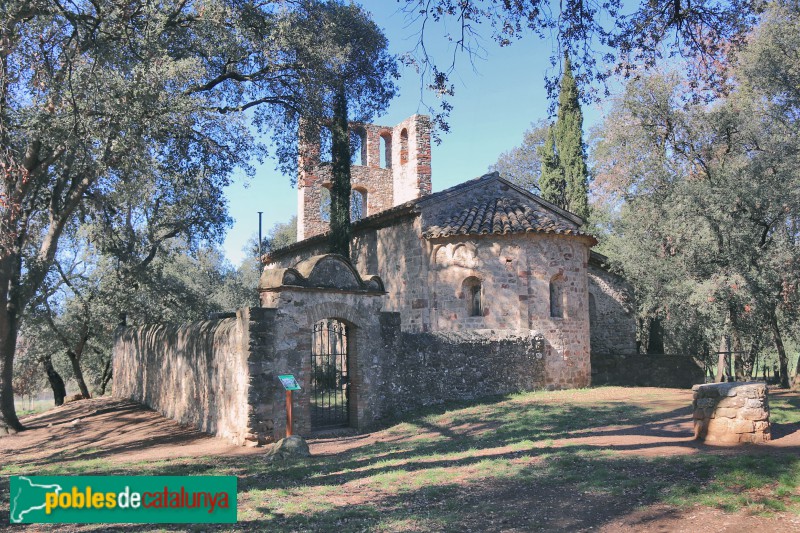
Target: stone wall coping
<point x="729" y="388"/>
<point x="387" y="217"/>
<point x="330" y="272"/>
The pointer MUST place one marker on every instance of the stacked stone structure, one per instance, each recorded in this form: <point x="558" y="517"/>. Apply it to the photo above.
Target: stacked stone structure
<point x="730" y="413"/>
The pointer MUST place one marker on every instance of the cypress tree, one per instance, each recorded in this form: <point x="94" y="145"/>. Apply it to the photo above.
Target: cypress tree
<point x="569" y="145"/>
<point x="339" y="241"/>
<point x="551" y="179"/>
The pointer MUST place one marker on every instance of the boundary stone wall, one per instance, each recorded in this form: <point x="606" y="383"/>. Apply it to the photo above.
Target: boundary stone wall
<point x="421" y="369"/>
<point x="197" y="374"/>
<point x="672" y="371"/>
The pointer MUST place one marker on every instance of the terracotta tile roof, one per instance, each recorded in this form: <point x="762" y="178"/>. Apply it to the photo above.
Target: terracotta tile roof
<point x="500" y="216"/>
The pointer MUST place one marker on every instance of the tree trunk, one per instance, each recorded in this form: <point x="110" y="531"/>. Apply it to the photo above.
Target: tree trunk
<point x="738" y="357"/>
<point x="75" y="359"/>
<point x="751" y="361"/>
<point x="105" y="378"/>
<point x="9" y="423"/>
<point x="340" y="182"/>
<point x="56" y="382"/>
<point x="782" y="357"/>
<point x="722" y="359"/>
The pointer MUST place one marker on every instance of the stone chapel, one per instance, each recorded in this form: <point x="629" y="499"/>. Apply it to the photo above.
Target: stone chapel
<point x="485" y="257"/>
<point x="477" y="290"/>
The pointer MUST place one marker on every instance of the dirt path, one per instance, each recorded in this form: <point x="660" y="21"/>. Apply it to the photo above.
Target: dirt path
<point x="125" y="432"/>
<point x="117" y="430"/>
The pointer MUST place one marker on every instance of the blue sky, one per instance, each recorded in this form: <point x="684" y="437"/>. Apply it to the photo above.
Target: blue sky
<point x="494" y="104"/>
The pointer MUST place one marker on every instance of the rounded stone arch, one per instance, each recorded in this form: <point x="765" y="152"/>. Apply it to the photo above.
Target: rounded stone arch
<point x="346" y="313"/>
<point x="358" y="145"/>
<point x="325" y="202"/>
<point x="404" y="146"/>
<point x="558" y="296"/>
<point x="385" y="148"/>
<point x="354" y="320"/>
<point x="465" y="254"/>
<point x="359" y="202"/>
<point x="472" y="290"/>
<point x="441" y="254"/>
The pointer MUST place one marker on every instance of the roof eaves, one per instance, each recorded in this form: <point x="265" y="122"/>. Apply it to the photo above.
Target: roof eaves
<point x="398" y="211"/>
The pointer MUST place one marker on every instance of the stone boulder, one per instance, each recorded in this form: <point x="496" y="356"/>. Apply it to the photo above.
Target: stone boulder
<point x="74" y="398"/>
<point x="294" y="447"/>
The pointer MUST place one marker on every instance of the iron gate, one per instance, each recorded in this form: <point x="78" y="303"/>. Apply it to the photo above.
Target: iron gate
<point x="329" y="375"/>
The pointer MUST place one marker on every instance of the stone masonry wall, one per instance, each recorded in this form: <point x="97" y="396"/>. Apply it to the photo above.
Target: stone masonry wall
<point x="612" y="313"/>
<point x="635" y="370"/>
<point x="730" y="413"/>
<point x="515" y="272"/>
<point x="196" y="374"/>
<point x="421" y="369"/>
<point x="391" y="371"/>
<point x="296" y="312"/>
<point x="412" y="172"/>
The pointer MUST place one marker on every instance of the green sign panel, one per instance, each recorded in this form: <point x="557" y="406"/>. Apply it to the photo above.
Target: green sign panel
<point x="122" y="499"/>
<point x="288" y="382"/>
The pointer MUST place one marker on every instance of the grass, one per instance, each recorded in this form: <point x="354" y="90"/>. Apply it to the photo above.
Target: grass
<point x="27" y="407"/>
<point x="470" y="466"/>
<point x="784" y="409"/>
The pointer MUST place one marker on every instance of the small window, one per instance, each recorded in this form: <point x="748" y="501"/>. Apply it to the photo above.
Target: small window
<point x="404" y="146"/>
<point x="358" y="146"/>
<point x="557" y="296"/>
<point x="325" y="204"/>
<point x="386" y="150"/>
<point x="473" y="295"/>
<point x="358" y="204"/>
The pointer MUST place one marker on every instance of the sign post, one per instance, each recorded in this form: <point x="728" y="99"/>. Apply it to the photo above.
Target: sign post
<point x="290" y="384"/>
<point x="288" y="413"/>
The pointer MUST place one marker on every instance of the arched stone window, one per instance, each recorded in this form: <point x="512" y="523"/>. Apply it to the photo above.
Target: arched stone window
<point x="358" y="146"/>
<point x="324" y="204"/>
<point x="386" y="150"/>
<point x="358" y="204"/>
<point x="473" y="293"/>
<point x="404" y="146"/>
<point x="557" y="296"/>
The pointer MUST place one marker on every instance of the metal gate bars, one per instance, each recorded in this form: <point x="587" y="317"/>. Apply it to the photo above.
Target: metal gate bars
<point x="329" y="375"/>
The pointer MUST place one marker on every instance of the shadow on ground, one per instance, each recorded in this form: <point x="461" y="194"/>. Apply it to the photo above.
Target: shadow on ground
<point x="497" y="465"/>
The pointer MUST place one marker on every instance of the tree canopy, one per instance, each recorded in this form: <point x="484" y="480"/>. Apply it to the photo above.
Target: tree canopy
<point x="605" y="39"/>
<point x="127" y="118"/>
<point x="552" y="157"/>
<point x="708" y="199"/>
